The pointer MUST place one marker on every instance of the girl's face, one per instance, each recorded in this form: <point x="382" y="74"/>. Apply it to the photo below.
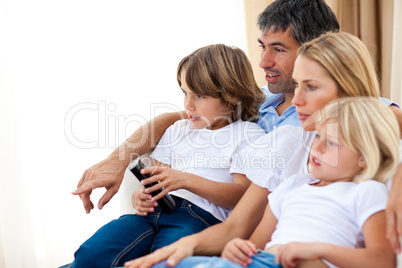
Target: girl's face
<point x="314" y="88"/>
<point x="330" y="160"/>
<point x="203" y="111"/>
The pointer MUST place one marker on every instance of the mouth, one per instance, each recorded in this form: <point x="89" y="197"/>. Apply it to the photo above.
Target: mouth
<point x="302" y="116"/>
<point x="193" y="117"/>
<point x="271" y="77"/>
<point x="314" y="161"/>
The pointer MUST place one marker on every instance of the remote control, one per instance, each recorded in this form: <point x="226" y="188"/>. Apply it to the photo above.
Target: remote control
<point x="167" y="201"/>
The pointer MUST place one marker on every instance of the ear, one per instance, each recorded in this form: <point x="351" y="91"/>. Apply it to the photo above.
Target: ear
<point x="361" y="163"/>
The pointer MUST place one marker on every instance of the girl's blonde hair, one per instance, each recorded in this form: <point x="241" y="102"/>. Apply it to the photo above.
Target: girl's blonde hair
<point x="369" y="128"/>
<point x="347" y="60"/>
<point x="223" y="72"/>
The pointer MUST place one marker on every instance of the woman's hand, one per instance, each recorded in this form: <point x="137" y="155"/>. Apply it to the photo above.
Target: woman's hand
<point x="239" y="251"/>
<point x="142" y="203"/>
<point x="291" y="254"/>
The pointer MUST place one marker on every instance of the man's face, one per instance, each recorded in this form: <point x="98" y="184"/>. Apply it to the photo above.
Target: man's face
<point x="279" y="52"/>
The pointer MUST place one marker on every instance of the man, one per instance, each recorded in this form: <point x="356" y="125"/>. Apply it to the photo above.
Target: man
<point x="284" y="25"/>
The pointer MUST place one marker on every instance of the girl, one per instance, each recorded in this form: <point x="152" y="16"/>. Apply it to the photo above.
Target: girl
<point x="198" y="154"/>
<point x="332" y="66"/>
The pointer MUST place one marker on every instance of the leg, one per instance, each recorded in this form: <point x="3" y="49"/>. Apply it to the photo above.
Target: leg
<point x="120" y="240"/>
<point x="185" y="219"/>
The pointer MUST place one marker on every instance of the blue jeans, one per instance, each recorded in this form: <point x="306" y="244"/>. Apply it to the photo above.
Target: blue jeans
<point x="133" y="236"/>
<point x="262" y="259"/>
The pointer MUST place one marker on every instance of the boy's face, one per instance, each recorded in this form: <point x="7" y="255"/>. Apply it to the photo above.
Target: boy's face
<point x="278" y="55"/>
<point x="203" y="111"/>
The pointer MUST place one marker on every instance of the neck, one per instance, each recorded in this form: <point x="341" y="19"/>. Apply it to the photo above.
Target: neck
<point x="285" y="104"/>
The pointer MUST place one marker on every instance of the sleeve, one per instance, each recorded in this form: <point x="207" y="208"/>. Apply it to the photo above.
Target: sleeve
<point x="275" y="198"/>
<point x="264" y="160"/>
<point x="371" y="198"/>
<point x="388" y="102"/>
<point x="171" y="138"/>
<point x="249" y="134"/>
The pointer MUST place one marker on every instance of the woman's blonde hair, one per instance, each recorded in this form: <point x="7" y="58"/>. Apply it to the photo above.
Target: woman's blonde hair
<point x="347" y="60"/>
<point x="369" y="128"/>
<point x="223" y="72"/>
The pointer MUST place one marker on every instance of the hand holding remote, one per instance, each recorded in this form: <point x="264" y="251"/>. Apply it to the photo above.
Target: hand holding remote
<point x="166" y="202"/>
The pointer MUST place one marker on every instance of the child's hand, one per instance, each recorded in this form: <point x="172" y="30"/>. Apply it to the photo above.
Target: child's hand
<point x="169" y="179"/>
<point x="239" y="251"/>
<point x="290" y="255"/>
<point x="141" y="202"/>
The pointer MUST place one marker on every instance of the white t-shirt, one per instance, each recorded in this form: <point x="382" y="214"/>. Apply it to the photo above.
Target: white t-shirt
<point x="332" y="214"/>
<point x="206" y="153"/>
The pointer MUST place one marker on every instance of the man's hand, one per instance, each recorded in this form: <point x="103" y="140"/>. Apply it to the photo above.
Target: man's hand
<point x="174" y="253"/>
<point x="108" y="173"/>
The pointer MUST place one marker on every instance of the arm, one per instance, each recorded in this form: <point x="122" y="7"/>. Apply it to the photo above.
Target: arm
<point x="240" y="251"/>
<point x="377" y="251"/>
<point x="398" y="114"/>
<point x="394" y="211"/>
<point x="109" y="173"/>
<point x="171" y="179"/>
<point x="240" y="223"/>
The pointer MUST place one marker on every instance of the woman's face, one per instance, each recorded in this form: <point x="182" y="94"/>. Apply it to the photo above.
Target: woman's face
<point x="314" y="88"/>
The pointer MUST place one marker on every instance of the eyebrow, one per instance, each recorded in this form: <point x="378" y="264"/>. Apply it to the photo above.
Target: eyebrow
<point x="304" y="81"/>
<point x="273" y="44"/>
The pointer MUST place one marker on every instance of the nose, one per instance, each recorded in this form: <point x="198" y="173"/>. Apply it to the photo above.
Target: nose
<point x="319" y="145"/>
<point x="188" y="104"/>
<point x="298" y="98"/>
<point x="267" y="59"/>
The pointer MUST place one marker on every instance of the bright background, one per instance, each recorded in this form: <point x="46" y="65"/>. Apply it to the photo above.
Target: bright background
<point x="77" y="77"/>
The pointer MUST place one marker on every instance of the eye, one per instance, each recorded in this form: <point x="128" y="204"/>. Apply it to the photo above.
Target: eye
<point x="317" y="136"/>
<point x="310" y="87"/>
<point x="333" y="144"/>
<point x="262" y="46"/>
<point x="201" y="97"/>
<point x="280" y="50"/>
<point x="295" y="84"/>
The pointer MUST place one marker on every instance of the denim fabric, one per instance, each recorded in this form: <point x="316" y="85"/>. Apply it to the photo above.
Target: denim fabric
<point x="262" y="259"/>
<point x="132" y="236"/>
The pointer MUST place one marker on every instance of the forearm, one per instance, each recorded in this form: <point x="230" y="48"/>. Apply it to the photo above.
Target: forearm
<point x="225" y="195"/>
<point x="351" y="257"/>
<point x="240" y="223"/>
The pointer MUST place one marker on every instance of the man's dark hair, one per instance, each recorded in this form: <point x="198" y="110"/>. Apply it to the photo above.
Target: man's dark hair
<point x="308" y="19"/>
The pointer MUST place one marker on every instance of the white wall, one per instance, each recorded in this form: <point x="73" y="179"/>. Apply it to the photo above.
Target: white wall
<point x="77" y="77"/>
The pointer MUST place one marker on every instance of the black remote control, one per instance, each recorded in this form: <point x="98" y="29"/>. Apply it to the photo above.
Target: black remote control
<point x="167" y="201"/>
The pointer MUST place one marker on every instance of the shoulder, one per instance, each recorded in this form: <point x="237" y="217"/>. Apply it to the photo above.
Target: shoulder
<point x="248" y="126"/>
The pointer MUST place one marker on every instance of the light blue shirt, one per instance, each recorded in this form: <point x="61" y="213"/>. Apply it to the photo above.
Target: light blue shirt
<point x="270" y="119"/>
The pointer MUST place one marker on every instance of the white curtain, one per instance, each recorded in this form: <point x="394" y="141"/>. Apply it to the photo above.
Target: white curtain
<point x="76" y="78"/>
